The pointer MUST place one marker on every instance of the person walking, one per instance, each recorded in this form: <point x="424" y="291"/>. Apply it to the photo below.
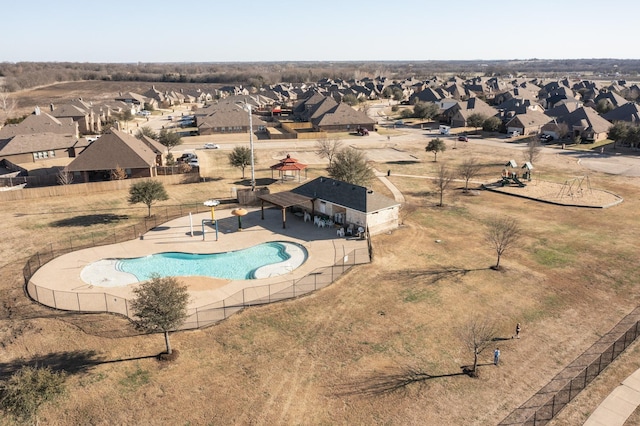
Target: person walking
<point x="496" y="356"/>
<point x="518" y="328"/>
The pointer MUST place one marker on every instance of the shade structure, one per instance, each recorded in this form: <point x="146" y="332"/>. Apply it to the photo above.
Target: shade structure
<point x="239" y="212"/>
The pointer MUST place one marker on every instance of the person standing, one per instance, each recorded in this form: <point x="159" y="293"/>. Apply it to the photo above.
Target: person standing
<point x="518" y="328"/>
<point x="496" y="356"/>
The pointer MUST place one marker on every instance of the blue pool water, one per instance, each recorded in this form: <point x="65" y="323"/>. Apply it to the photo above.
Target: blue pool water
<point x="234" y="265"/>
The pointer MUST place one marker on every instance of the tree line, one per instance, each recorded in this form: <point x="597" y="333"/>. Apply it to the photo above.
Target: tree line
<point x="25" y="75"/>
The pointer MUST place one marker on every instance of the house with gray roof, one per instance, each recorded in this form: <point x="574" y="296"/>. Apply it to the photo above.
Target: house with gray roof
<point x="354" y="204"/>
<point x="629" y="112"/>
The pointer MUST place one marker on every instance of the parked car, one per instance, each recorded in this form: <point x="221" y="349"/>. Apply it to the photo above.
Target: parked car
<point x="211" y="146"/>
<point x="186" y="157"/>
<point x="399" y="123"/>
<point x="513" y="134"/>
<point x="194" y="162"/>
<point x="463" y="138"/>
<point x="546" y="138"/>
<point x="144" y="113"/>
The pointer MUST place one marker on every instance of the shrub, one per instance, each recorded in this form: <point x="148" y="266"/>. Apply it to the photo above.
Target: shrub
<point x="29" y="388"/>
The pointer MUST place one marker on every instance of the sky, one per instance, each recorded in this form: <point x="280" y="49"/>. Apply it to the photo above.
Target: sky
<point x="129" y="31"/>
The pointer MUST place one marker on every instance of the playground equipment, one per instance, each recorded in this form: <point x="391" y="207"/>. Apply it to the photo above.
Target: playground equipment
<point x="574" y="187"/>
<point x="508" y="177"/>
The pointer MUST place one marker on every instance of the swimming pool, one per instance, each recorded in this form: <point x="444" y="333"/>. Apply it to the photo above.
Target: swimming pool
<point x="260" y="261"/>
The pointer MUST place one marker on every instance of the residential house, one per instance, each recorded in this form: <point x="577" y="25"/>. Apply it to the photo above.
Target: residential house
<point x="528" y="123"/>
<point x="629" y="112"/>
<point x="587" y="124"/>
<point x="458" y="114"/>
<point x="114" y="150"/>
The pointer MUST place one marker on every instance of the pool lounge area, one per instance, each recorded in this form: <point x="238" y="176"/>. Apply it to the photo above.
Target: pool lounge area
<point x="62" y="277"/>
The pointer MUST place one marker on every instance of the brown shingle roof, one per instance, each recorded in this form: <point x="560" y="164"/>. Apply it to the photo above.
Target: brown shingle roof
<point x="114" y="149"/>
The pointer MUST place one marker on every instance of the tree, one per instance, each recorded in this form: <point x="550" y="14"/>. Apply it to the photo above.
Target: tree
<point x="398" y="94"/>
<point x="491" y="124"/>
<point x="160" y="304"/>
<point x="148" y="132"/>
<point x="350" y="165"/>
<point x="563" y="130"/>
<point x="442" y="181"/>
<point x="618" y="132"/>
<point x="604" y="106"/>
<point x="118" y="173"/>
<point x="436" y="145"/>
<point x="28" y="388"/>
<point x="425" y="110"/>
<point x="7" y="105"/>
<point x="170" y="159"/>
<point x="169" y="139"/>
<point x="328" y="148"/>
<point x="478" y="335"/>
<point x="476" y="120"/>
<point x="350" y="100"/>
<point x="241" y="157"/>
<point x="532" y="151"/>
<point x="469" y="169"/>
<point x="502" y="233"/>
<point x="147" y="192"/>
<point x="64" y="177"/>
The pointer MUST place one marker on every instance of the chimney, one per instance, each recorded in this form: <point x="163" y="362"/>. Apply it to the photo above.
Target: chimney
<point x="51" y="106"/>
<point x="36" y="111"/>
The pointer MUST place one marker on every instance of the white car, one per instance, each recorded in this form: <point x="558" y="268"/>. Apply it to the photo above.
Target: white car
<point x="144" y="113"/>
<point x="211" y="146"/>
<point x="194" y="162"/>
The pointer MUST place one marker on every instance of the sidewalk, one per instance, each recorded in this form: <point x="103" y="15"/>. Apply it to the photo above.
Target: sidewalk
<point x="619" y="405"/>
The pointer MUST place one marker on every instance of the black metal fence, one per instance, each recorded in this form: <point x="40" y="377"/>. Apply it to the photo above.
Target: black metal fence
<point x="199" y="317"/>
<point x="563" y="388"/>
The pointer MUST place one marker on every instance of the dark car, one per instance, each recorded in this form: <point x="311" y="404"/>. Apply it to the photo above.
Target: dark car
<point x="463" y="138"/>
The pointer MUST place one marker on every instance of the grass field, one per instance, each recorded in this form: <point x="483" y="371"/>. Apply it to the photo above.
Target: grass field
<point x="333" y="356"/>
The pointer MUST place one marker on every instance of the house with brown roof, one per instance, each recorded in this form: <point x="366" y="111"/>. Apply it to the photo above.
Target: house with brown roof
<point x="529" y="123"/>
<point x="587" y="124"/>
<point x="88" y="123"/>
<point x="226" y="118"/>
<point x="114" y="150"/>
<point x="37" y="138"/>
<point x="459" y="113"/>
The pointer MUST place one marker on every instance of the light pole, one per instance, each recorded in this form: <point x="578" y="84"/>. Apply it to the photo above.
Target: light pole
<point x="247" y="107"/>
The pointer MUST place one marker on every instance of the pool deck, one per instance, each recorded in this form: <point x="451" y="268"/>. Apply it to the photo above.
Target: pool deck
<point x="324" y="247"/>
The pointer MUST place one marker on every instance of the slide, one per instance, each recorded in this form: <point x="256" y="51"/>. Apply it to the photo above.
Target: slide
<point x="519" y="182"/>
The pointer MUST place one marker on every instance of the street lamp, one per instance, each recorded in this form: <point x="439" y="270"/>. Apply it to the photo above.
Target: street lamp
<point x="247" y="107"/>
<point x="212" y="204"/>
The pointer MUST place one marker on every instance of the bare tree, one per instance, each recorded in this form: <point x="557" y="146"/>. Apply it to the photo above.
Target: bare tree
<point x="469" y="169"/>
<point x="118" y="173"/>
<point x="532" y="151"/>
<point x="477" y="335"/>
<point x="442" y="180"/>
<point x="328" y="148"/>
<point x="64" y="177"/>
<point x="7" y="105"/>
<point x="501" y="234"/>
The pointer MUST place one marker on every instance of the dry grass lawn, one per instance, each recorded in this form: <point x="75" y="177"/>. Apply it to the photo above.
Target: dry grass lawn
<point x="330" y="357"/>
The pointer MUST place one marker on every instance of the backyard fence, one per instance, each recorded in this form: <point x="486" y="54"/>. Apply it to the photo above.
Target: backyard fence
<point x="563" y="388"/>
